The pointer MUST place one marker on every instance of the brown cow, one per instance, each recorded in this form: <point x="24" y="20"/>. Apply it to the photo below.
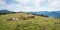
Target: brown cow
<point x="31" y="16"/>
<point x="26" y="17"/>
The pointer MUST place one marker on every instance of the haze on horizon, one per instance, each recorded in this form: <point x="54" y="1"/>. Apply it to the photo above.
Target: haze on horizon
<point x="30" y="5"/>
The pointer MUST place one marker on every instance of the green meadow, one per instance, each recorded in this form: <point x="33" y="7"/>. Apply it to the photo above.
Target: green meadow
<point x="37" y="23"/>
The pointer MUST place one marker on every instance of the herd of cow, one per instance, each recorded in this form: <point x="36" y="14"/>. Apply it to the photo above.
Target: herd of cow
<point x="24" y="17"/>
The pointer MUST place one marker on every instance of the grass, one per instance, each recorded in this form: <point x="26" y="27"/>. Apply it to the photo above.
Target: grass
<point x="37" y="23"/>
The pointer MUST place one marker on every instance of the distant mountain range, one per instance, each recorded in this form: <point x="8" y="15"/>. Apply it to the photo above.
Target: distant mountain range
<point x="54" y="14"/>
<point x="5" y="12"/>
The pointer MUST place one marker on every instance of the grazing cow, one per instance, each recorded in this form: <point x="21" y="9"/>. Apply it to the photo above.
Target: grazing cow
<point x="9" y="19"/>
<point x="26" y="17"/>
<point x="31" y="16"/>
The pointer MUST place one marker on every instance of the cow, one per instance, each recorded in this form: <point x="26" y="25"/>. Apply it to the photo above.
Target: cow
<point x="9" y="19"/>
<point x="26" y="16"/>
<point x="31" y="16"/>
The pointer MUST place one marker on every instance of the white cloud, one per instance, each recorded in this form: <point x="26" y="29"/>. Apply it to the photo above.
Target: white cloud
<point x="55" y="3"/>
<point x="22" y="1"/>
<point x="2" y="1"/>
<point x="37" y="2"/>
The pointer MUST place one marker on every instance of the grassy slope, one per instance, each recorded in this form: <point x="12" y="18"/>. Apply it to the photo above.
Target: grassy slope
<point x="37" y="23"/>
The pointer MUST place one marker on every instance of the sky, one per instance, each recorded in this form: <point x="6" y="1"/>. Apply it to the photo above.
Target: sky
<point x="30" y="5"/>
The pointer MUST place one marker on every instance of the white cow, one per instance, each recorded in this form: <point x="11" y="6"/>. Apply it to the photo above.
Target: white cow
<point x="9" y="19"/>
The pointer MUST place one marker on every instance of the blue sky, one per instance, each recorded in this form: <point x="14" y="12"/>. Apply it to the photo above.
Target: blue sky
<point x="30" y="5"/>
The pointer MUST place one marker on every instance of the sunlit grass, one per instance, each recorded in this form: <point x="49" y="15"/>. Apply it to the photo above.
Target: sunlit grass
<point x="37" y="23"/>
